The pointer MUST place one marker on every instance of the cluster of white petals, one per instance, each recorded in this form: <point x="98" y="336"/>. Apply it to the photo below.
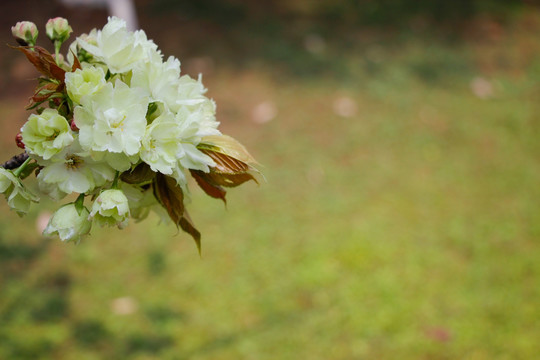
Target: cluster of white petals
<point x="120" y="127"/>
<point x="123" y="106"/>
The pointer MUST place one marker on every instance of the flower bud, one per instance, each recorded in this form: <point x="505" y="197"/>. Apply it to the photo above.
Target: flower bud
<point x="17" y="196"/>
<point x="111" y="208"/>
<point x="25" y="32"/>
<point x="19" y="141"/>
<point x="68" y="223"/>
<point x="58" y="29"/>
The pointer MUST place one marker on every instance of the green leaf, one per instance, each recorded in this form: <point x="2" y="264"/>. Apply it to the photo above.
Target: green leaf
<point x="79" y="204"/>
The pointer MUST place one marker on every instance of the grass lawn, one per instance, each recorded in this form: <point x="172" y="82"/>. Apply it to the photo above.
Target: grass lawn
<point x="406" y="229"/>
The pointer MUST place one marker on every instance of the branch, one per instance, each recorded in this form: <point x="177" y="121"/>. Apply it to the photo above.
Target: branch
<point x="15" y="161"/>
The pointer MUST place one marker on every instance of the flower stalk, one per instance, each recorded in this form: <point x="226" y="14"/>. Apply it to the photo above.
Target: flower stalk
<point x="20" y="169"/>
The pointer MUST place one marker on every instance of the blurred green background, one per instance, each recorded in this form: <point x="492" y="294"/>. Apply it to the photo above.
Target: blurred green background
<point x="400" y="218"/>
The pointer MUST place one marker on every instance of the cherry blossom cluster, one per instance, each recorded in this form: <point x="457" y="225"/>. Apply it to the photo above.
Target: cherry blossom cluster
<point x="117" y="123"/>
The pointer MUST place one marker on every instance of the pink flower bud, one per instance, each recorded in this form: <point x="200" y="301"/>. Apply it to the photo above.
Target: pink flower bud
<point x="25" y="32"/>
<point x="58" y="29"/>
<point x="18" y="141"/>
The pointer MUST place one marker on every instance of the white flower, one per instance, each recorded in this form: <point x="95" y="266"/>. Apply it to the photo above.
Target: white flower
<point x="75" y="47"/>
<point x="83" y="82"/>
<point x="188" y="155"/>
<point x="113" y="119"/>
<point x="140" y="201"/>
<point x="51" y="190"/>
<point x="111" y="208"/>
<point x="159" y="79"/>
<point x="179" y="174"/>
<point x="207" y="123"/>
<point x="68" y="223"/>
<point x="118" y="161"/>
<point x="46" y="134"/>
<point x="119" y="48"/>
<point x="160" y="143"/>
<point x="17" y="196"/>
<point x="190" y="92"/>
<point x="73" y="170"/>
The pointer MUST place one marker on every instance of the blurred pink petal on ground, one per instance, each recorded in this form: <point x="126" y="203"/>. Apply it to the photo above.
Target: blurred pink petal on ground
<point x="264" y="112"/>
<point x="345" y="107"/>
<point x="124" y="305"/>
<point x="482" y="88"/>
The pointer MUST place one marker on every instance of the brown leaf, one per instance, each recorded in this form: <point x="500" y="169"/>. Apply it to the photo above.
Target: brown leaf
<point x="76" y="63"/>
<point x="187" y="225"/>
<point x="228" y="180"/>
<point x="232" y="180"/>
<point x="226" y="163"/>
<point x="211" y="189"/>
<point x="227" y="145"/>
<point x="44" y="92"/>
<point x="170" y="195"/>
<point x="43" y="61"/>
<point x="142" y="173"/>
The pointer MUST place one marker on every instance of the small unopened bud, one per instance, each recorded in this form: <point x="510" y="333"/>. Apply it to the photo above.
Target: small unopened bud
<point x="25" y="32"/>
<point x="18" y="141"/>
<point x="56" y="101"/>
<point x="58" y="29"/>
<point x="73" y="126"/>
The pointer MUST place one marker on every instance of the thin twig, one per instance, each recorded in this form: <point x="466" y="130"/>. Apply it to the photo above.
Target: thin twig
<point x="15" y="161"/>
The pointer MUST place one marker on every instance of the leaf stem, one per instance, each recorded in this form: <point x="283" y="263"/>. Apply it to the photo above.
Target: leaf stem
<point x="20" y="169"/>
<point x="115" y="181"/>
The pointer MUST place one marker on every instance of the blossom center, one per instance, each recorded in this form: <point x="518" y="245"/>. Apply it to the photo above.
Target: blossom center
<point x="73" y="162"/>
<point x="115" y="119"/>
<point x="53" y="136"/>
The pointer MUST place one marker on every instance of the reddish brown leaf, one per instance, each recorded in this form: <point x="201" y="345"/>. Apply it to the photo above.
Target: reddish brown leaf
<point x="187" y="225"/>
<point x="55" y="71"/>
<point x="43" y="61"/>
<point x="227" y="145"/>
<point x="231" y="180"/>
<point x="76" y="63"/>
<point x="170" y="195"/>
<point x="226" y="163"/>
<point x="228" y="180"/>
<point x="44" y="92"/>
<point x="211" y="189"/>
<point x="142" y="173"/>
